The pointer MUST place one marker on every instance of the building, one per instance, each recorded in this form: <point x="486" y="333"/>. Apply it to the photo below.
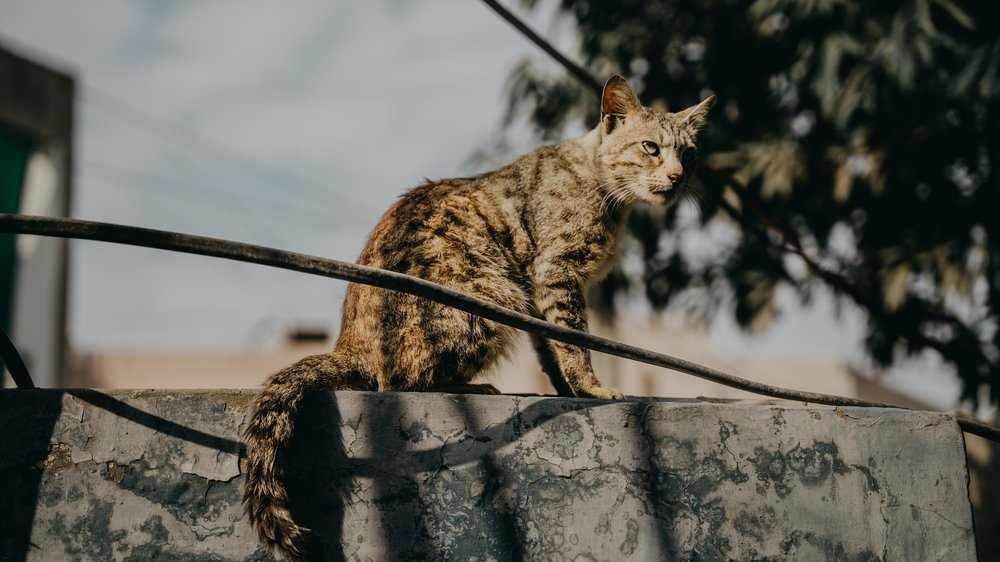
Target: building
<point x="36" y="158"/>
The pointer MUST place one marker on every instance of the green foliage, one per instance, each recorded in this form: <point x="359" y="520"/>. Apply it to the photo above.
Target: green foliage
<point x="870" y="131"/>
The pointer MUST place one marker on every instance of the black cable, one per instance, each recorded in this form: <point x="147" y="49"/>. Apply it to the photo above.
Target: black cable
<point x="12" y="359"/>
<point x="576" y="70"/>
<point x="201" y="245"/>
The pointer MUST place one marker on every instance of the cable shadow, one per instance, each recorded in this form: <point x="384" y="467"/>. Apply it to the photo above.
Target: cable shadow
<point x="401" y="517"/>
<point x="154" y="422"/>
<point x="654" y="482"/>
<point x="492" y="438"/>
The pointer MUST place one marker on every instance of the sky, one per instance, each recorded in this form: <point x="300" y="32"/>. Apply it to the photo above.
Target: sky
<point x="292" y="125"/>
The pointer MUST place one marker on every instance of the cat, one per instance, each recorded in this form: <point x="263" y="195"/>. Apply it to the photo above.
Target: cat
<point x="529" y="236"/>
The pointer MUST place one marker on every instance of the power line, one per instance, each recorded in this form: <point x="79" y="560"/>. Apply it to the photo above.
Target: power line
<point x="194" y="141"/>
<point x="576" y="70"/>
<point x="391" y="280"/>
<point x="257" y="224"/>
<point x="183" y="137"/>
<point x="221" y="198"/>
<point x="251" y="219"/>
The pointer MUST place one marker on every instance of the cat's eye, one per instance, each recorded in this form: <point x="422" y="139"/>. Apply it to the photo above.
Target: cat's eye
<point x="651" y="148"/>
<point x="689" y="155"/>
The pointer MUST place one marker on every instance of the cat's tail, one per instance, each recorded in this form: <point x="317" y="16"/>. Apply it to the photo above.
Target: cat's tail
<point x="265" y="497"/>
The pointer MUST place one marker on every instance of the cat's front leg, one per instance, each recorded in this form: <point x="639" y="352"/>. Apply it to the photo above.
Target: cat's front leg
<point x="560" y="300"/>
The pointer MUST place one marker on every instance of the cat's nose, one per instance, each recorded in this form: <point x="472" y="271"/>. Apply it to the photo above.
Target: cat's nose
<point x="675" y="174"/>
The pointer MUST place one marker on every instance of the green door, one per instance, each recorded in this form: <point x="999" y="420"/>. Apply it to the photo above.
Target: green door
<point x="14" y="150"/>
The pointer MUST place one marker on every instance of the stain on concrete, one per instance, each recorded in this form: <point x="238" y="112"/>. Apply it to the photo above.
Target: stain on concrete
<point x="90" y="537"/>
<point x="196" y="501"/>
<point x="814" y="465"/>
<point x="726" y="429"/>
<point x="564" y="436"/>
<point x="808" y="466"/>
<point x="771" y="468"/>
<point x="157" y="532"/>
<point x="631" y="542"/>
<point x="796" y="544"/>
<point x="415" y="432"/>
<point x="758" y="525"/>
<point x="452" y="503"/>
<point x="870" y="481"/>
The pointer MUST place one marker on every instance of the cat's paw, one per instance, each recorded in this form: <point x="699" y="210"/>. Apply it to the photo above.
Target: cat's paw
<point x="601" y="392"/>
<point x="484" y="389"/>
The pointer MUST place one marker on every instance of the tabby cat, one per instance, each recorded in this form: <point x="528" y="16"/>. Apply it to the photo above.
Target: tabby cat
<point x="529" y="236"/>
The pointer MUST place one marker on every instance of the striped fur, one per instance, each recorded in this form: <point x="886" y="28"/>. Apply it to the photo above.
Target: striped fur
<point x="529" y="236"/>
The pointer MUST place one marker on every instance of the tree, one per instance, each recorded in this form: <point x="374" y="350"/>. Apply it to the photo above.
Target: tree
<point x="865" y="133"/>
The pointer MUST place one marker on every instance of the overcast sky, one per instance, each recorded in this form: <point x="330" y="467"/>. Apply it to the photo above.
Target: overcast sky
<point x="324" y="112"/>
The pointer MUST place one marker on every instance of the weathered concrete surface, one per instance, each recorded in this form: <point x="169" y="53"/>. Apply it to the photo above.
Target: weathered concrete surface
<point x="155" y="476"/>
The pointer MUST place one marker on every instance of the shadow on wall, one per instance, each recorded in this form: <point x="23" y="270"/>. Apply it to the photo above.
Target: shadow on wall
<point x="319" y="476"/>
<point x="23" y="458"/>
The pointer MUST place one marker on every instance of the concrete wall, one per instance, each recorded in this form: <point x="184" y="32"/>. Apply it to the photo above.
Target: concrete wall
<point x="154" y="475"/>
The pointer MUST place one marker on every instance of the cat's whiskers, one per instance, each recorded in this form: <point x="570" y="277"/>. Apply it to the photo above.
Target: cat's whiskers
<point x="697" y="199"/>
<point x="619" y="193"/>
<point x="615" y="183"/>
<point x="620" y="196"/>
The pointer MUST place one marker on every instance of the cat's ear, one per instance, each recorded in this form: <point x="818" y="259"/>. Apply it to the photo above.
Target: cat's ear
<point x="617" y="102"/>
<point x="694" y="116"/>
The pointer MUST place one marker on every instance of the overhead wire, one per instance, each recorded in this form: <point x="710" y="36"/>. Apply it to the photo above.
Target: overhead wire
<point x="576" y="70"/>
<point x="252" y="220"/>
<point x="223" y="199"/>
<point x="319" y="196"/>
<point x="316" y="201"/>
<point x="194" y="141"/>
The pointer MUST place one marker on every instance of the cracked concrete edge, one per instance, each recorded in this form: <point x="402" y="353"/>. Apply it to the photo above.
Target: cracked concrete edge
<point x="101" y="443"/>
